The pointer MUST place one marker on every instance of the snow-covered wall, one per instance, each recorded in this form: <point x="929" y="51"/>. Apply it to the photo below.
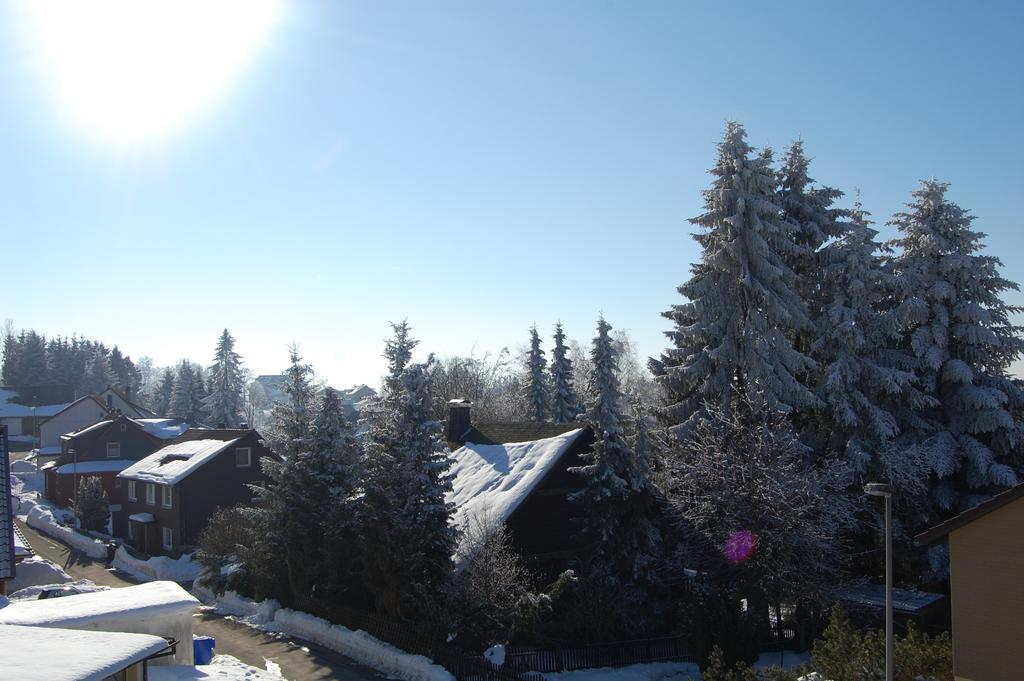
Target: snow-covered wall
<point x="41" y="518"/>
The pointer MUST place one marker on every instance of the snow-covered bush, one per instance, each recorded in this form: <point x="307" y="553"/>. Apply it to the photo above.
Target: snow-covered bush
<point x="93" y="507"/>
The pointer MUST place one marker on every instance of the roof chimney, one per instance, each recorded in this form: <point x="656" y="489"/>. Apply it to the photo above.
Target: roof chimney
<point x="458" y="420"/>
<point x="110" y="401"/>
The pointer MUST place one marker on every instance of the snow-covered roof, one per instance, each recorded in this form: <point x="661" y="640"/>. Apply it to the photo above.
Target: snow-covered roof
<point x="101" y="466"/>
<point x="141" y="602"/>
<point x="88" y="429"/>
<point x="494" y="479"/>
<point x="903" y="600"/>
<point x="173" y="463"/>
<point x="142" y="517"/>
<point x="47" y="653"/>
<point x="165" y="429"/>
<point x="9" y="409"/>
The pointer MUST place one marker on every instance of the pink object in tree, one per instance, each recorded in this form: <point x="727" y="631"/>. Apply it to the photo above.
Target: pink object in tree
<point x="740" y="546"/>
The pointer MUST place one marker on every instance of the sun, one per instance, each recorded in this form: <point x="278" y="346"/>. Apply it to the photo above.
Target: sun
<point x="131" y="71"/>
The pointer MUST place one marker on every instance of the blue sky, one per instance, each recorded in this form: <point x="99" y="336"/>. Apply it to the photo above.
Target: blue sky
<point x="480" y="167"/>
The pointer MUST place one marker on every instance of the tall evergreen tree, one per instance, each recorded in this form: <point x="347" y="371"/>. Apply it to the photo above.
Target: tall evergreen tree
<point x="164" y="393"/>
<point x="733" y="336"/>
<point x="199" y="395"/>
<point x="536" y="386"/>
<point x="98" y="375"/>
<point x="182" y="404"/>
<point x="224" y="403"/>
<point x="407" y="541"/>
<point x="617" y="495"/>
<point x="8" y="372"/>
<point x="31" y="368"/>
<point x="958" y="327"/>
<point x="288" y="429"/>
<point x="565" y="403"/>
<point x="398" y="353"/>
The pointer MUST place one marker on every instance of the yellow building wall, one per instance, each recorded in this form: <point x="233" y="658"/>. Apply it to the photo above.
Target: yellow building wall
<point x="987" y="583"/>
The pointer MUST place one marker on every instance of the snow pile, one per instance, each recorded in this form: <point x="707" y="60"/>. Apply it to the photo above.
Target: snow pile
<point x="157" y="567"/>
<point x="256" y="613"/>
<point x="41" y="518"/>
<point x="23" y="466"/>
<point x="31" y="593"/>
<point x="360" y="646"/>
<point x="494" y="479"/>
<point x="173" y="463"/>
<point x="495" y="655"/>
<point x="655" y="671"/>
<point x="222" y="667"/>
<point x="34" y="571"/>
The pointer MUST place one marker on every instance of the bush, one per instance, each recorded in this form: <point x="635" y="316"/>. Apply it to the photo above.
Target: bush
<point x="93" y="507"/>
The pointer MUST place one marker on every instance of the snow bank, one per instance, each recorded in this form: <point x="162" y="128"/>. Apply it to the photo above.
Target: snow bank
<point x="157" y="567"/>
<point x="656" y="671"/>
<point x="34" y="571"/>
<point x="42" y="519"/>
<point x="23" y="466"/>
<point x="256" y="613"/>
<point x="495" y="655"/>
<point x="360" y="646"/>
<point x="786" y="659"/>
<point x="224" y="667"/>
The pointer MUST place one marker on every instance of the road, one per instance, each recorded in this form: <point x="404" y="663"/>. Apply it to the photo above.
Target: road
<point x="299" y="660"/>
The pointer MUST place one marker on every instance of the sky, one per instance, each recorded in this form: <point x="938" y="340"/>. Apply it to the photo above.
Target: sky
<point x="309" y="172"/>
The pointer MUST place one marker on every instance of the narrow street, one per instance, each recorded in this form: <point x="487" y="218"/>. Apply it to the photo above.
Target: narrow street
<point x="299" y="660"/>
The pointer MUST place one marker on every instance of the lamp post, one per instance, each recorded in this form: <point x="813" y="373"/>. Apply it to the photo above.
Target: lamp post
<point x="74" y="481"/>
<point x="879" y="489"/>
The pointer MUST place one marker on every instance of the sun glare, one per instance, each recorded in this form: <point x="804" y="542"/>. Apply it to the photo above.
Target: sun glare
<point x="130" y="71"/>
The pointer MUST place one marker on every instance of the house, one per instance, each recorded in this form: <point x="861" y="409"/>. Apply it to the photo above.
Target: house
<point x="103" y="450"/>
<point x="81" y="413"/>
<point x="53" y="653"/>
<point x="161" y="609"/>
<point x="23" y="411"/>
<point x="171" y="494"/>
<point x="986" y="580"/>
<point x="518" y="473"/>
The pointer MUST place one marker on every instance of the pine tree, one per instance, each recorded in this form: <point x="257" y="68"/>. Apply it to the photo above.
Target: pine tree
<point x="288" y="429"/>
<point x="164" y="393"/>
<point x="565" y="404"/>
<point x="867" y="387"/>
<point x="536" y="386"/>
<point x="407" y="541"/>
<point x="93" y="507"/>
<point x="617" y="495"/>
<point x="733" y="336"/>
<point x="31" y="368"/>
<point x="182" y="405"/>
<point x="98" y="376"/>
<point x="398" y="353"/>
<point x="224" y="403"/>
<point x="958" y="328"/>
<point x="199" y="395"/>
<point x="8" y="373"/>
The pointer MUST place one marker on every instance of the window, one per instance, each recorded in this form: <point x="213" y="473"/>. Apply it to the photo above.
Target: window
<point x="168" y="538"/>
<point x="243" y="457"/>
<point x="124" y="428"/>
<point x="113" y="450"/>
<point x="166" y="496"/>
<point x="150" y="494"/>
<point x="131" y="491"/>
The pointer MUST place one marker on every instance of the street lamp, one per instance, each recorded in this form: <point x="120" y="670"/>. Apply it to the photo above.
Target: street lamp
<point x="879" y="489"/>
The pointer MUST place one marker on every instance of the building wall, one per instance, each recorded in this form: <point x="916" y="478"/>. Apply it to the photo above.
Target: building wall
<point x="987" y="582"/>
<point x="164" y="517"/>
<point x="74" y="418"/>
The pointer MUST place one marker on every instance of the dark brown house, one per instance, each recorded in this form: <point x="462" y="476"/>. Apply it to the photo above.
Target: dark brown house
<point x="103" y="450"/>
<point x="518" y="473"/>
<point x="171" y="494"/>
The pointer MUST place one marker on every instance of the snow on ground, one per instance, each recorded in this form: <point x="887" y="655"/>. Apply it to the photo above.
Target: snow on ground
<point x="656" y="671"/>
<point x="157" y="567"/>
<point x="23" y="466"/>
<point x="34" y="571"/>
<point x="787" y="660"/>
<point x="31" y="593"/>
<point x="358" y="645"/>
<point x="222" y="668"/>
<point x="41" y="518"/>
<point x="494" y="479"/>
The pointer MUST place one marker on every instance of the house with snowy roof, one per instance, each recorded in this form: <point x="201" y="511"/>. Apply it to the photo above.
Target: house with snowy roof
<point x="169" y="496"/>
<point x="23" y="411"/>
<point x="103" y="450"/>
<point x="518" y="474"/>
<point x="82" y="413"/>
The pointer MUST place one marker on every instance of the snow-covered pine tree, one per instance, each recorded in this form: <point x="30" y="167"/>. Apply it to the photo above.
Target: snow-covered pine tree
<point x="958" y="327"/>
<point x="162" y="395"/>
<point x="565" y="404"/>
<point x="98" y="376"/>
<point x="866" y="384"/>
<point x="93" y="506"/>
<point x="182" y="405"/>
<point x="398" y="353"/>
<point x="290" y="423"/>
<point x="536" y="386"/>
<point x="617" y="498"/>
<point x="11" y="347"/>
<point x="406" y="539"/>
<point x="199" y="395"/>
<point x="733" y="335"/>
<point x="224" y="403"/>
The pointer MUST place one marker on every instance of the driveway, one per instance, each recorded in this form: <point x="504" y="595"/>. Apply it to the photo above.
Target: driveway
<point x="299" y="660"/>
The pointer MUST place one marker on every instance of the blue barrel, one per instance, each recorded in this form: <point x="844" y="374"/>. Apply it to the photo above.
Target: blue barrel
<point x="202" y="649"/>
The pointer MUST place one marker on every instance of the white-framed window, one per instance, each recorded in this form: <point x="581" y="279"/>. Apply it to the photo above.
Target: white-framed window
<point x="131" y="491"/>
<point x="124" y="428"/>
<point x="168" y="534"/>
<point x="113" y="450"/>
<point x="166" y="496"/>
<point x="150" y="494"/>
<point x="243" y="457"/>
